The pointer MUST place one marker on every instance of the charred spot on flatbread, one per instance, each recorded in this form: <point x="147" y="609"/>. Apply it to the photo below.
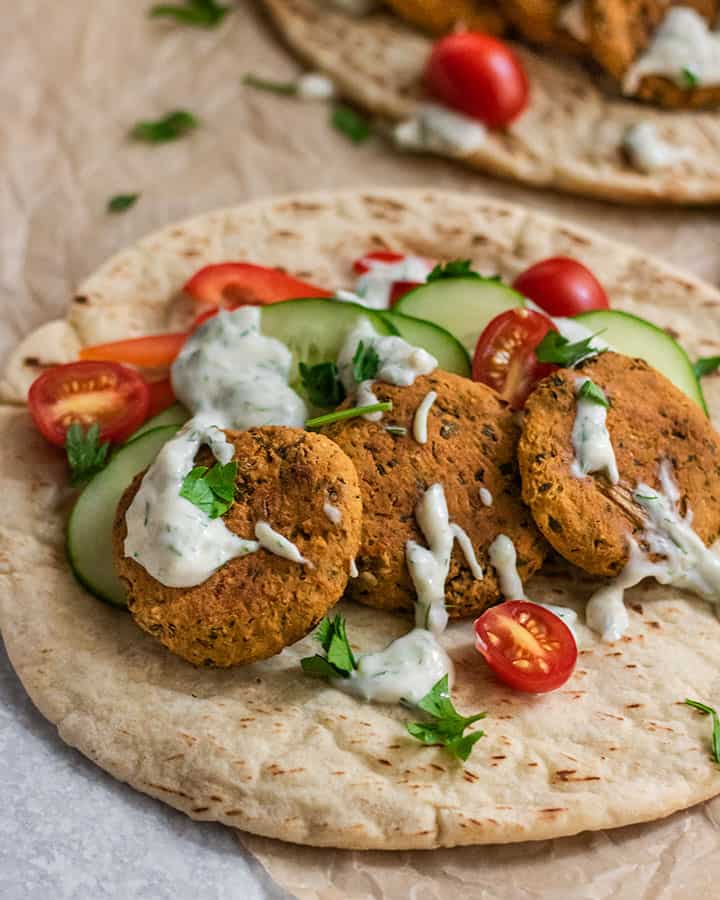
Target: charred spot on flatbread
<point x="472" y="443"/>
<point x="588" y="520"/>
<point x="254" y="606"/>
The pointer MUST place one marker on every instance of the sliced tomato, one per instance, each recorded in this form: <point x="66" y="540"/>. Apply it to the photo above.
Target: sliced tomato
<point x="114" y="396"/>
<point x="562" y="287"/>
<point x="527" y="646"/>
<point x="232" y="284"/>
<point x="153" y="352"/>
<point x="387" y="257"/>
<point x="203" y="317"/>
<point x="478" y="75"/>
<point x="505" y="354"/>
<point x="162" y="396"/>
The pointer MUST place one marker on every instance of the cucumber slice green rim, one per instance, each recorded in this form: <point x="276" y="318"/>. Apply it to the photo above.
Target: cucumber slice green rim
<point x="173" y="415"/>
<point x="445" y="347"/>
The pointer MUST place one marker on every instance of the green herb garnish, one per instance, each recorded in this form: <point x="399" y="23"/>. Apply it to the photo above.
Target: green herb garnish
<point x="338" y="661"/>
<point x="396" y="430"/>
<point x="689" y="78"/>
<point x="366" y="362"/>
<point x="554" y="348"/>
<point x="447" y="725"/>
<point x="715" y="740"/>
<point x="201" y="13"/>
<point x="593" y="394"/>
<point x="288" y="88"/>
<point x="121" y="202"/>
<point x="86" y="456"/>
<point x="457" y="268"/>
<point x="706" y="365"/>
<point x="322" y="384"/>
<point x="352" y="413"/>
<point x="211" y="490"/>
<point x="171" y="127"/>
<point x="351" y="123"/>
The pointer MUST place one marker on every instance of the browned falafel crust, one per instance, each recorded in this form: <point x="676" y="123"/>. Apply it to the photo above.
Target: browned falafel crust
<point x="441" y="16"/>
<point x="472" y="443"/>
<point x="538" y="21"/>
<point x="587" y="520"/>
<point x="254" y="606"/>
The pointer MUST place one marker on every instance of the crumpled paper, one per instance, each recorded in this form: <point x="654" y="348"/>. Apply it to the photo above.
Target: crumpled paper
<point x="77" y="76"/>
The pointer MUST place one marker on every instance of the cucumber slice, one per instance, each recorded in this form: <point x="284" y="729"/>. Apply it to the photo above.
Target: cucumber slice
<point x="462" y="306"/>
<point x="445" y="347"/>
<point x="173" y="415"/>
<point x="89" y="535"/>
<point x="633" y="336"/>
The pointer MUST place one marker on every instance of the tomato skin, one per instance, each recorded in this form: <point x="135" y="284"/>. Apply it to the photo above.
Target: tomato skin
<point x="233" y="284"/>
<point x="161" y="396"/>
<point x="388" y="257"/>
<point x="477" y="75"/>
<point x="505" y="354"/>
<point x="400" y="288"/>
<point x="520" y="630"/>
<point x="153" y="352"/>
<point x="86" y="392"/>
<point x="562" y="287"/>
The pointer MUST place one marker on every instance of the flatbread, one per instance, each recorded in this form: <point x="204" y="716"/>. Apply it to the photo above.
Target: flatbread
<point x="268" y="750"/>
<point x="570" y="137"/>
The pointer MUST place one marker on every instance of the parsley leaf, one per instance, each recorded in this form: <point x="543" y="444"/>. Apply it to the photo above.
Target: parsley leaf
<point x="554" y="348"/>
<point x="715" y="740"/>
<point x="457" y="268"/>
<point x="322" y="384"/>
<point x="171" y="127"/>
<point x="352" y="413"/>
<point x="339" y="660"/>
<point x="447" y="725"/>
<point x="201" y="13"/>
<point x="706" y="365"/>
<point x="211" y="490"/>
<point x="593" y="394"/>
<point x="351" y="123"/>
<point x="689" y="78"/>
<point x="289" y="88"/>
<point x="85" y="454"/>
<point x="366" y="362"/>
<point x="121" y="202"/>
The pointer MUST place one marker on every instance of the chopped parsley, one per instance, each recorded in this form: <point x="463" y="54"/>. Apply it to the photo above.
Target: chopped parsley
<point x="706" y="365"/>
<point x="351" y="123"/>
<point x="211" y="490"/>
<point x="396" y="430"/>
<point x="338" y="661"/>
<point x="593" y="394"/>
<point x="457" y="268"/>
<point x="171" y="127"/>
<point x="689" y="79"/>
<point x="200" y="13"/>
<point x="288" y="88"/>
<point x="715" y="739"/>
<point x="86" y="456"/>
<point x="554" y="348"/>
<point x="352" y="413"/>
<point x="366" y="362"/>
<point x="121" y="202"/>
<point x="322" y="384"/>
<point x="447" y="726"/>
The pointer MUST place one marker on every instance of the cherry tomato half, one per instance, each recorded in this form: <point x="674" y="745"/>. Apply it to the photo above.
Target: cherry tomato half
<point x="505" y="354"/>
<point x="562" y="287"/>
<point x="162" y="396"/>
<point x="387" y="257"/>
<point x="87" y="392"/>
<point x="477" y="75"/>
<point x="153" y="352"/>
<point x="234" y="284"/>
<point x="527" y="646"/>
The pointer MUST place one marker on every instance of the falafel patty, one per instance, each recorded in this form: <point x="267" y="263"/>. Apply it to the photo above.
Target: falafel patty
<point x="307" y="489"/>
<point x="470" y="450"/>
<point x="588" y="519"/>
<point x="540" y="22"/>
<point x="441" y="16"/>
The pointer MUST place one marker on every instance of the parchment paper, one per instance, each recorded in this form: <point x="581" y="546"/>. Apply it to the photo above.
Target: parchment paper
<point x="75" y="77"/>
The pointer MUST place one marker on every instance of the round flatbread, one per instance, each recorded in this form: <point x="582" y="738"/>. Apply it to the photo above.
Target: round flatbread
<point x="262" y="747"/>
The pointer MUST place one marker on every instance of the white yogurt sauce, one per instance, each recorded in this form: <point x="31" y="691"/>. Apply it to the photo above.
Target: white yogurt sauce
<point x="365" y="396"/>
<point x="374" y="287"/>
<point x="572" y="19"/>
<point x="486" y="498"/>
<point x="353" y="568"/>
<point x="567" y="615"/>
<point x="591" y="439"/>
<point x="429" y="567"/>
<point x="334" y="513"/>
<point x="683" y="41"/>
<point x="420" y="420"/>
<point x="686" y="562"/>
<point x="274" y="542"/>
<point x="648" y="152"/>
<point x="172" y="539"/>
<point x="503" y="558"/>
<point x="439" y="129"/>
<point x="314" y="86"/>
<point x="237" y="376"/>
<point x="465" y="544"/>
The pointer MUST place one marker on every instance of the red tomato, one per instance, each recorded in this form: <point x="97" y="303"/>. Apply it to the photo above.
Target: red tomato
<point x="562" y="287"/>
<point x="154" y="352"/>
<point x="162" y="396"/>
<point x="87" y="392"/>
<point x="234" y="284"/>
<point x="399" y="288"/>
<point x="527" y="646"/>
<point x="479" y="76"/>
<point x="203" y="317"/>
<point x="505" y="354"/>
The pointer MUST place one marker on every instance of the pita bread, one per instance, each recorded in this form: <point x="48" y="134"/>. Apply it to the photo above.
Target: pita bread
<point x="267" y="750"/>
<point x="569" y="138"/>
